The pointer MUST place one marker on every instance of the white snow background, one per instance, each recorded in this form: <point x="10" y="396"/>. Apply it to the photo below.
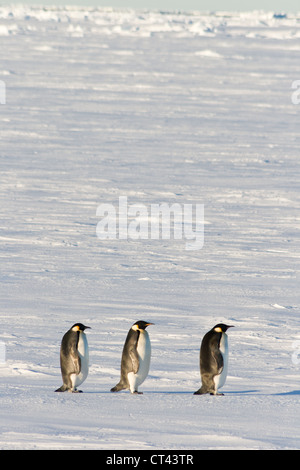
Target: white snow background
<point x="159" y="107"/>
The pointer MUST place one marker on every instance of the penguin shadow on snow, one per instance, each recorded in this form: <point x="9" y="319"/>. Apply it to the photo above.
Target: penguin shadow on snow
<point x="294" y="392"/>
<point x="248" y="392"/>
<point x="169" y="392"/>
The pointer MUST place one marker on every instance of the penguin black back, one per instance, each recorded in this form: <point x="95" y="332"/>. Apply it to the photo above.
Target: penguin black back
<point x="213" y="359"/>
<point x="73" y="358"/>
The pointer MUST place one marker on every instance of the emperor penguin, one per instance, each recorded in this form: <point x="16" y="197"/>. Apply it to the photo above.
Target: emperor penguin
<point x="214" y="360"/>
<point x="74" y="358"/>
<point x="136" y="356"/>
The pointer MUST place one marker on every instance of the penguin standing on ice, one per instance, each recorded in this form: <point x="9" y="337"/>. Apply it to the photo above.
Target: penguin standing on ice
<point x="74" y="358"/>
<point x="214" y="360"/>
<point x="136" y="356"/>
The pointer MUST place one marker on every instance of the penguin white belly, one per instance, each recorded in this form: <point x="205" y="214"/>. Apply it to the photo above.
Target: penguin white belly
<point x="144" y="353"/>
<point x="220" y="379"/>
<point x="83" y="351"/>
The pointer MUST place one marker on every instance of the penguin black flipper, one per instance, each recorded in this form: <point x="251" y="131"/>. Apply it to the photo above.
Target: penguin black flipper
<point x="76" y="361"/>
<point x="134" y="360"/>
<point x="215" y="351"/>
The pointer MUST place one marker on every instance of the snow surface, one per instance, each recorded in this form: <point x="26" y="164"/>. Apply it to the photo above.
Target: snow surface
<point x="158" y="107"/>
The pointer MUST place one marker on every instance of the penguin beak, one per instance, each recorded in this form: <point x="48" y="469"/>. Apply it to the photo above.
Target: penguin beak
<point x="150" y="324"/>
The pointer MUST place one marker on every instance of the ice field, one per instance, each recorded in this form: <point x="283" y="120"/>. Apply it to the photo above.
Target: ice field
<point x="158" y="107"/>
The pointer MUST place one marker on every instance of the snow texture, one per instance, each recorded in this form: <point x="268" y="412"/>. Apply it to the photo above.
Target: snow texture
<point x="158" y="107"/>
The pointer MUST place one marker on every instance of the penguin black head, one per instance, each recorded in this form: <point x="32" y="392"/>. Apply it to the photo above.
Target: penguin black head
<point x="79" y="327"/>
<point x="141" y="325"/>
<point x="222" y="328"/>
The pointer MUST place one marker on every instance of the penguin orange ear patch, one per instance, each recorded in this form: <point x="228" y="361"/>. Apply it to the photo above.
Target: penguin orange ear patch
<point x="218" y="330"/>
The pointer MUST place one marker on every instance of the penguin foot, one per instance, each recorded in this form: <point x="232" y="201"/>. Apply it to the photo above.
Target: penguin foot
<point x="63" y="388"/>
<point x="201" y="391"/>
<point x="217" y="394"/>
<point x="137" y="393"/>
<point x="117" y="388"/>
